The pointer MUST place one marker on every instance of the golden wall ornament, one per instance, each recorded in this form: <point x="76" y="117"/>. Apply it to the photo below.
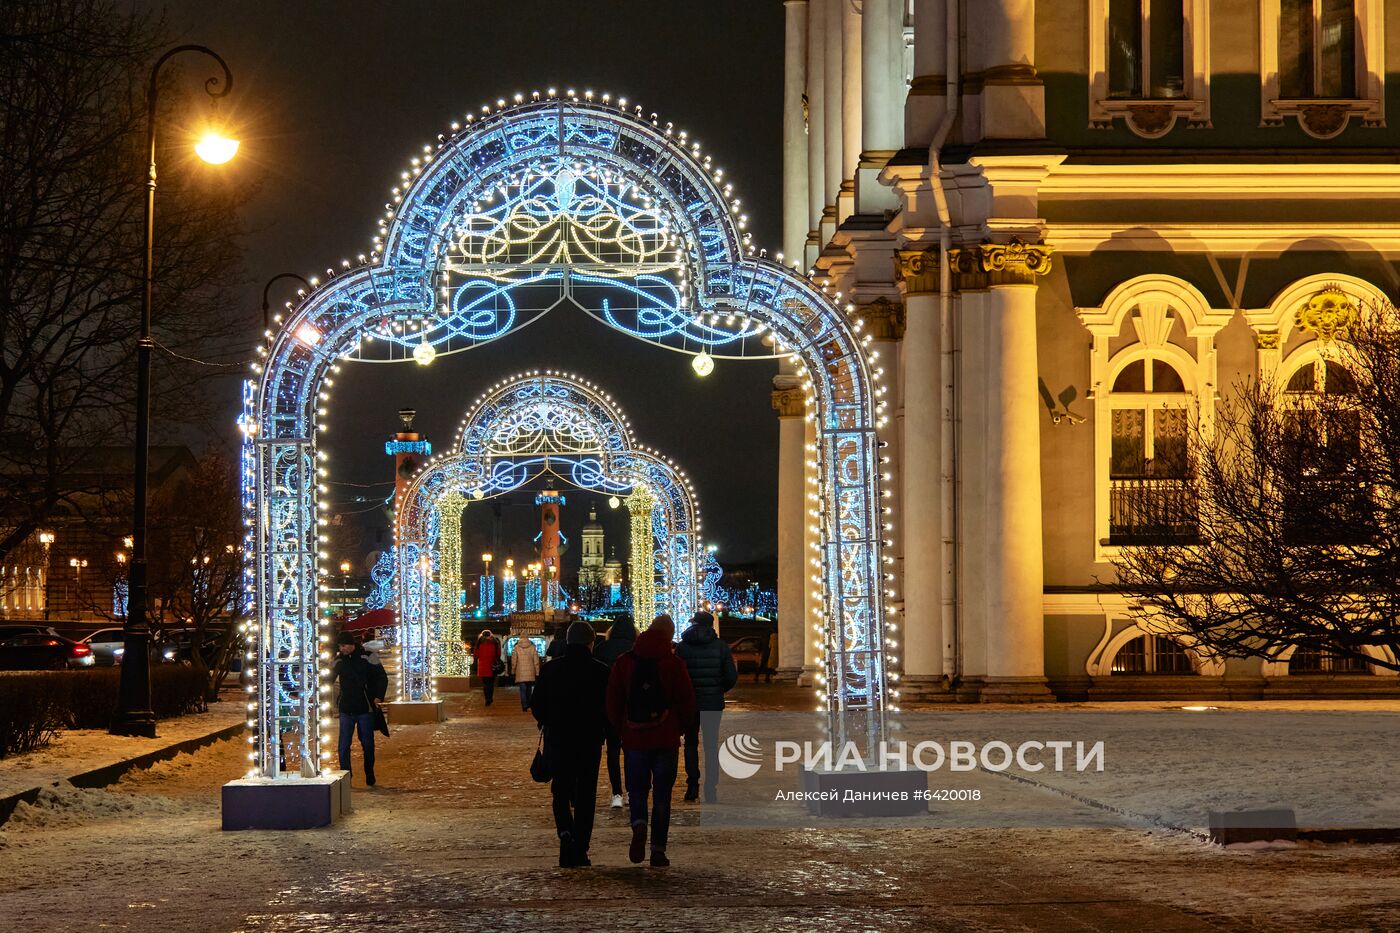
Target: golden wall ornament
<point x="990" y="264"/>
<point x="884" y="319"/>
<point x="1328" y="314"/>
<point x="1268" y="340"/>
<point x="790" y="403"/>
<point x="918" y="270"/>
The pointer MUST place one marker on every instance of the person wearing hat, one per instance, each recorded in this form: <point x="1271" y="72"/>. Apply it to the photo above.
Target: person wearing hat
<point x="569" y="702"/>
<point x="712" y="672"/>
<point x="362" y="688"/>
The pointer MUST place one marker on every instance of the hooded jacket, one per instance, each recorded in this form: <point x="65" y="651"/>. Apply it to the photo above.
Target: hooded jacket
<point x="360" y="681"/>
<point x="710" y="664"/>
<point x="569" y="703"/>
<point x="675" y="680"/>
<point x="524" y="661"/>
<point x="621" y="637"/>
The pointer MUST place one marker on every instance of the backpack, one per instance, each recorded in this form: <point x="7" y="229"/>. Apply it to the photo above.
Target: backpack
<point x="646" y="697"/>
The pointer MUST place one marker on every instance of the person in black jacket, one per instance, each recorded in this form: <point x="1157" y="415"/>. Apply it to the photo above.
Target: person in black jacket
<point x="713" y="674"/>
<point x="569" y="703"/>
<point x="621" y="637"/>
<point x="362" y="689"/>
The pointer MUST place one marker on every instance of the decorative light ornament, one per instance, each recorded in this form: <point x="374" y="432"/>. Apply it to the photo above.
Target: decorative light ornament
<point x="703" y="364"/>
<point x="216" y="148"/>
<point x="424" y="353"/>
<point x="614" y="502"/>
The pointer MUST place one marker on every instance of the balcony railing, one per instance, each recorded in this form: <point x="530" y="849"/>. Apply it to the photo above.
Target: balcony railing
<point x="1144" y="510"/>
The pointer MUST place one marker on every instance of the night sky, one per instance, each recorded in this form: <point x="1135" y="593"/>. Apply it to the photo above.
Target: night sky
<point x="332" y="99"/>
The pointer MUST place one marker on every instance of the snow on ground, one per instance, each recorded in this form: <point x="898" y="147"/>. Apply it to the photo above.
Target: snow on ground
<point x="75" y="751"/>
<point x="457" y="838"/>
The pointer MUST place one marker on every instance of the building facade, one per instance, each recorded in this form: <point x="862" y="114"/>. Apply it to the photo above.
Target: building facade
<point x="1071" y="226"/>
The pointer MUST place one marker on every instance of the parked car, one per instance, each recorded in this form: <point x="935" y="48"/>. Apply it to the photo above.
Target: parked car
<point x="42" y="651"/>
<point x="747" y="653"/>
<point x="107" y="646"/>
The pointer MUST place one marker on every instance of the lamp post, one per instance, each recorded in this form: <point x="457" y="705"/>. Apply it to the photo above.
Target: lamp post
<point x="488" y="587"/>
<point x="46" y="538"/>
<point x="266" y="310"/>
<point x="134" y="715"/>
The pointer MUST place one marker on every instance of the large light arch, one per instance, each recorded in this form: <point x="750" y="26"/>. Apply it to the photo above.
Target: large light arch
<point x="441" y="248"/>
<point x="543" y="422"/>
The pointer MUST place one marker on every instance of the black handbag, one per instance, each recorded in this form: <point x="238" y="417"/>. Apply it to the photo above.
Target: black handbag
<point x="381" y="722"/>
<point x="539" y="767"/>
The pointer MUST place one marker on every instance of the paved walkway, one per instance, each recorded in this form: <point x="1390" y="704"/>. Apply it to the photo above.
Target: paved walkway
<point x="458" y="838"/>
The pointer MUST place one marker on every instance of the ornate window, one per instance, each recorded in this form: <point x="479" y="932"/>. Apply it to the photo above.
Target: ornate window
<point x="1149" y="64"/>
<point x="1315" y="661"/>
<point x="1152" y="375"/>
<point x="1322" y="446"/>
<point x="1152" y="654"/>
<point x="1323" y="62"/>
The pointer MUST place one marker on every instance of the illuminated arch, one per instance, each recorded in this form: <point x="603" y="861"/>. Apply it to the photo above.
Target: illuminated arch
<point x="537" y="423"/>
<point x="641" y="231"/>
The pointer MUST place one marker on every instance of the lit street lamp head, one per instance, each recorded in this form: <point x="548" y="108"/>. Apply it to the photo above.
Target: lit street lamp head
<point x="216" y="148"/>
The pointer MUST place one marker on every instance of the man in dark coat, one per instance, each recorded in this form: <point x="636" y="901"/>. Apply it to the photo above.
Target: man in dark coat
<point x="569" y="703"/>
<point x="713" y="674"/>
<point x="362" y="688"/>
<point x="620" y="639"/>
<point x="651" y="704"/>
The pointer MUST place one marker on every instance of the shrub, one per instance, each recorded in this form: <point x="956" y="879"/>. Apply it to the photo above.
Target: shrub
<point x="33" y="706"/>
<point x="31" y="710"/>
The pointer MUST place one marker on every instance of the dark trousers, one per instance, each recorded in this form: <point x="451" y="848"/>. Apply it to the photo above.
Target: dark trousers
<point x="648" y="770"/>
<point x="364" y="725"/>
<point x="575" y="792"/>
<point x="488" y="687"/>
<point x="527" y="690"/>
<point x="707" y="727"/>
<point x="614" y="761"/>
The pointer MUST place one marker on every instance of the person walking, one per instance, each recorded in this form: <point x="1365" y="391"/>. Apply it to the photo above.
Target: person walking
<point x="525" y="668"/>
<point x="362" y="688"/>
<point x="555" y="648"/>
<point x="768" y="660"/>
<point x="713" y="674"/>
<point x="570" y="704"/>
<point x="621" y="637"/>
<point x="488" y="655"/>
<point x="651" y="703"/>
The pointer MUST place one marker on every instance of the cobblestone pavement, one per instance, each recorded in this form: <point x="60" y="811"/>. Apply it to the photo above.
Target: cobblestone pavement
<point x="458" y="838"/>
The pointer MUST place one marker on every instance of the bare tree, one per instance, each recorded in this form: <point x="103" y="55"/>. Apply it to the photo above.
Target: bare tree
<point x="1294" y="494"/>
<point x="72" y="78"/>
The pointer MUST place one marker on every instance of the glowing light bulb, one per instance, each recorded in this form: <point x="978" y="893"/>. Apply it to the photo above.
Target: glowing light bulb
<point x="703" y="364"/>
<point x="614" y="502"/>
<point x="215" y="148"/>
<point x="424" y="354"/>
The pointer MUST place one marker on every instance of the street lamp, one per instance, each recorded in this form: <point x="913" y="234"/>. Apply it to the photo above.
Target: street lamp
<point x="266" y="310"/>
<point x="134" y="714"/>
<point x="46" y="538"/>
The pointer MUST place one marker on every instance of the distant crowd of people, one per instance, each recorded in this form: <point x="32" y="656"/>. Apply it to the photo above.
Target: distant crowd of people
<point x="635" y="699"/>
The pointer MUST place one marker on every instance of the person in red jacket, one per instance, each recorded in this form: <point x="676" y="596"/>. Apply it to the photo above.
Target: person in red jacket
<point x="651" y="704"/>
<point x="488" y="654"/>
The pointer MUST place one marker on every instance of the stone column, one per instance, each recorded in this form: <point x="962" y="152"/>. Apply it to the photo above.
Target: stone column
<point x="920" y="498"/>
<point x="795" y="202"/>
<point x="1002" y="46"/>
<point x="790" y="403"/>
<point x="816" y="122"/>
<point x="882" y="101"/>
<point x="835" y="19"/>
<point x="928" y="91"/>
<point x="1012" y="567"/>
<point x="850" y="108"/>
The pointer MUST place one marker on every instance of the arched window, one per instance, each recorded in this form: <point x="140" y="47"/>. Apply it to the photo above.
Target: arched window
<point x="1149" y="491"/>
<point x="1152" y="654"/>
<point x="1328" y="499"/>
<point x="1323" y="661"/>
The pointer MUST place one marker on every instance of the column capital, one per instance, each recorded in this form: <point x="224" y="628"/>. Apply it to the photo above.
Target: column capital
<point x="991" y="264"/>
<point x="917" y="269"/>
<point x="884" y="319"/>
<point x="790" y="402"/>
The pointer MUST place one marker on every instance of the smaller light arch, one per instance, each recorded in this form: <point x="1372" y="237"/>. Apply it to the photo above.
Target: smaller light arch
<point x="535" y="424"/>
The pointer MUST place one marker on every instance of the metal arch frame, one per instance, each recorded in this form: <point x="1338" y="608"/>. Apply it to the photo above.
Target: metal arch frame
<point x="716" y="274"/>
<point x="512" y="435"/>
